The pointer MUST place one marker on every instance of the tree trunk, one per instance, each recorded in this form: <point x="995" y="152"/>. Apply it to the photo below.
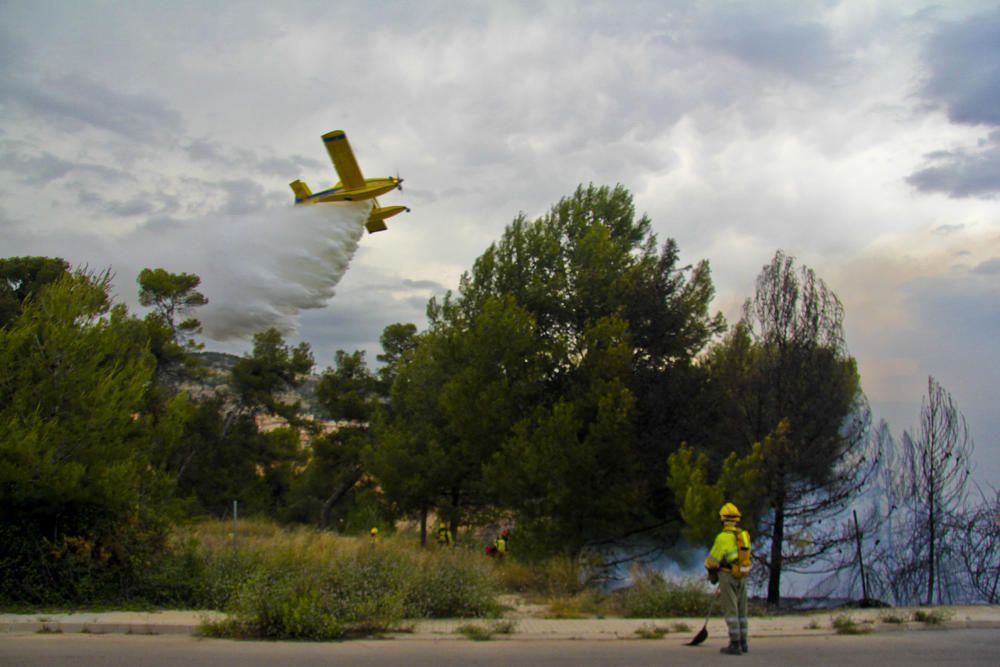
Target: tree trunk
<point x="423" y="526"/>
<point x="338" y="493"/>
<point x="931" y="539"/>
<point x="777" y="539"/>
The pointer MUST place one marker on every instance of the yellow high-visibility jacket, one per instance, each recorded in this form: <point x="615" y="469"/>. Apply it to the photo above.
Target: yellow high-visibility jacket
<point x="725" y="551"/>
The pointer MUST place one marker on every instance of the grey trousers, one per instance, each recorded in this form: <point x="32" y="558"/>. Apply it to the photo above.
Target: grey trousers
<point x="734" y="606"/>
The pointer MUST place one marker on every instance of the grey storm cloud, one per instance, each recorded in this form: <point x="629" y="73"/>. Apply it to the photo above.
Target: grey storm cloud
<point x="121" y="209"/>
<point x="962" y="172"/>
<point x="243" y="196"/>
<point x="77" y="100"/>
<point x="964" y="62"/>
<point x="43" y="168"/>
<point x="798" y="48"/>
<point x="214" y="152"/>
<point x="990" y="267"/>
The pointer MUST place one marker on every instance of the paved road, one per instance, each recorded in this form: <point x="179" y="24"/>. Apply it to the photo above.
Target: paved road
<point x="906" y="649"/>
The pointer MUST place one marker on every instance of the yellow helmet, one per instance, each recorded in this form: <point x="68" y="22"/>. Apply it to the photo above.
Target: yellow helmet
<point x="729" y="512"/>
<point x="443" y="525"/>
<point x="374" y="531"/>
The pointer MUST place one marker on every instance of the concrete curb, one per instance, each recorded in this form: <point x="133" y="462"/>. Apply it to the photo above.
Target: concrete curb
<point x="525" y="629"/>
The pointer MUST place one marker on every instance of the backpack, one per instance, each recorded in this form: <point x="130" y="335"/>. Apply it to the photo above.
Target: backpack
<point x="741" y="568"/>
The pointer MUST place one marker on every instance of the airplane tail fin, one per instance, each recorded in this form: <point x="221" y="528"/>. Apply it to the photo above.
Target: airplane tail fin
<point x="301" y="190"/>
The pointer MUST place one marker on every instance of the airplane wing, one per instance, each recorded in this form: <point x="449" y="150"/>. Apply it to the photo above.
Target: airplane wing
<point x="343" y="159"/>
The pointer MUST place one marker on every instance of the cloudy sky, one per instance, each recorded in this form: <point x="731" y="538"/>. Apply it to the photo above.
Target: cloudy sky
<point x="862" y="138"/>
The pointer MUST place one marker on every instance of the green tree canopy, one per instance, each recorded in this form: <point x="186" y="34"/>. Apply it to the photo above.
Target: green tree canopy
<point x="348" y="391"/>
<point x="20" y="277"/>
<point x="171" y="296"/>
<point x="260" y="378"/>
<point x="573" y="335"/>
<point x="453" y="403"/>
<point x="398" y="342"/>
<point x="75" y="448"/>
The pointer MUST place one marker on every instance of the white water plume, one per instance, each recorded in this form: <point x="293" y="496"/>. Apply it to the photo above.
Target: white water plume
<point x="258" y="270"/>
<point x="279" y="263"/>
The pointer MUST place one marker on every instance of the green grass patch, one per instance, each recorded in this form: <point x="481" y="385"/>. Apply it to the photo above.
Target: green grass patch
<point x="680" y="626"/>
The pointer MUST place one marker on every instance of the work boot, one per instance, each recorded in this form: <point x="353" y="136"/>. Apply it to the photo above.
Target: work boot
<point x="744" y="648"/>
<point x="732" y="649"/>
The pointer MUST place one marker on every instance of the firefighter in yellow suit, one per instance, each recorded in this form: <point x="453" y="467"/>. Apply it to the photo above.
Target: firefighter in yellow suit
<point x="728" y="564"/>
<point x="444" y="538"/>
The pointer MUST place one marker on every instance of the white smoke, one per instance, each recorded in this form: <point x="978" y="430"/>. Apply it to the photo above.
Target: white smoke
<point x="258" y="270"/>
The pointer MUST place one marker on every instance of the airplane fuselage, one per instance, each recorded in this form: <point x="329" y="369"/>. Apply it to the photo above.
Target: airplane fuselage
<point x="373" y="187"/>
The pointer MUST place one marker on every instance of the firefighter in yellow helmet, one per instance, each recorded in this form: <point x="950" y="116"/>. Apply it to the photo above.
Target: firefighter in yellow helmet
<point x="728" y="565"/>
<point x="444" y="537"/>
<point x="373" y="534"/>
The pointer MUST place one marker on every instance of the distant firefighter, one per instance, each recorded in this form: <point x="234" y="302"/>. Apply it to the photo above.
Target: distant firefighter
<point x="444" y="536"/>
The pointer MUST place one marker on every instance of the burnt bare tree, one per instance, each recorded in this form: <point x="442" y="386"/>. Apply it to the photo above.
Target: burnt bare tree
<point x="929" y="522"/>
<point x="980" y="548"/>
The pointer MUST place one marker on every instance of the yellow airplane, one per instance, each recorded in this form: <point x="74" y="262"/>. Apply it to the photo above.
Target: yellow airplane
<point x="353" y="186"/>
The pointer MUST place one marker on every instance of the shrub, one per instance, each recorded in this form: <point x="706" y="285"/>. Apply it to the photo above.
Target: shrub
<point x="306" y="584"/>
<point x="453" y="583"/>
<point x="845" y="624"/>
<point x="654" y="596"/>
<point x="556" y="576"/>
<point x="482" y="633"/>
<point x="585" y="603"/>
<point x="893" y="617"/>
<point x="652" y="632"/>
<point x="933" y="616"/>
